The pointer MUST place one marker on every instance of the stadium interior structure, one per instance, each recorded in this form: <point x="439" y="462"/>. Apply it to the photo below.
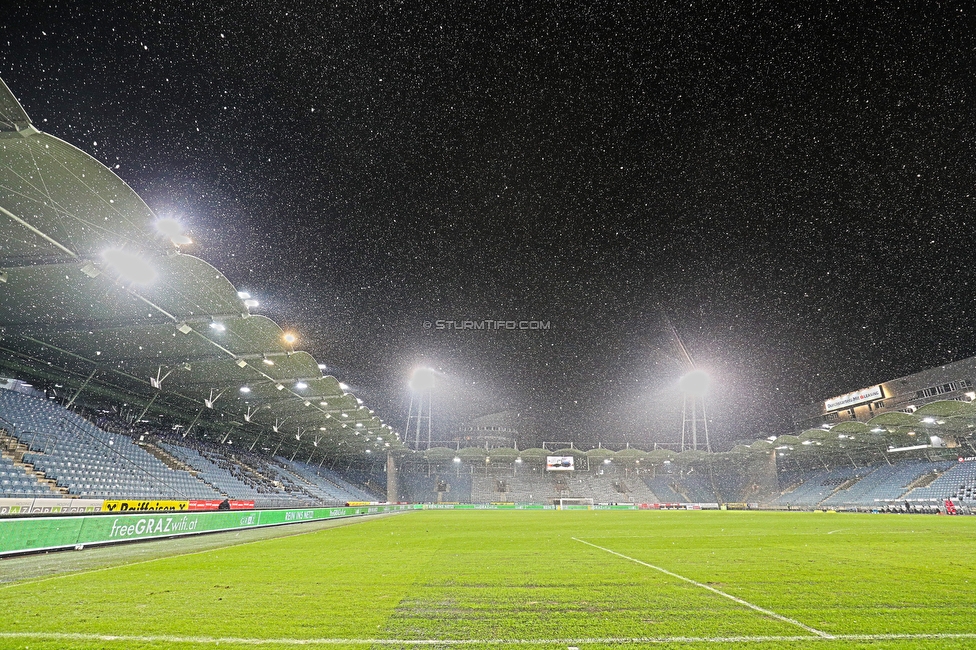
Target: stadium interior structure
<point x="137" y="371"/>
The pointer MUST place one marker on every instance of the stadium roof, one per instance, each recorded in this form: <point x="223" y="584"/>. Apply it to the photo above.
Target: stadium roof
<point x="94" y="290"/>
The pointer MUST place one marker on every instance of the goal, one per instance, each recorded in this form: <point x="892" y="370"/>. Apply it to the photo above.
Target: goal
<point x="572" y="503"/>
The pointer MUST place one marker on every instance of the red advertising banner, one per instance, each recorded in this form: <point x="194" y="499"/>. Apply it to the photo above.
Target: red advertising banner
<point x="214" y="504"/>
<point x="204" y="504"/>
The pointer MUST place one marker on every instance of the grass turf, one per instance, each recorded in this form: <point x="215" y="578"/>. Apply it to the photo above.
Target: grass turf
<point x="493" y="576"/>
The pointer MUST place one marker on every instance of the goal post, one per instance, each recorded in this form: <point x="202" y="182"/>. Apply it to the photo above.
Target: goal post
<point x="573" y="503"/>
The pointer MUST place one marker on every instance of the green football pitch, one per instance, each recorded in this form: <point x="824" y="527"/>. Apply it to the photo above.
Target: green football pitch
<point x="540" y="579"/>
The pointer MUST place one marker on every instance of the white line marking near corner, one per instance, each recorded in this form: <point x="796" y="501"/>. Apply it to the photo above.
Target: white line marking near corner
<point x="736" y="599"/>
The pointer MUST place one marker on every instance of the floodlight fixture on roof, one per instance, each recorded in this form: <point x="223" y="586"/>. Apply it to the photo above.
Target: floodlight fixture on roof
<point x="173" y="229"/>
<point x="289" y="338"/>
<point x="129" y="266"/>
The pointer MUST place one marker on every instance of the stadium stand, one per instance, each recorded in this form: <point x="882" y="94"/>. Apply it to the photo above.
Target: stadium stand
<point x="881" y="485"/>
<point x="84" y="460"/>
<point x="817" y="487"/>
<point x="957" y="482"/>
<point x="664" y="488"/>
<point x="51" y="451"/>
<point x="328" y="483"/>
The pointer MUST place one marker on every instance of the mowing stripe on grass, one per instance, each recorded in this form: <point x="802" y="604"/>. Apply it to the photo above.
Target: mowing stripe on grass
<point x="213" y="640"/>
<point x="746" y="603"/>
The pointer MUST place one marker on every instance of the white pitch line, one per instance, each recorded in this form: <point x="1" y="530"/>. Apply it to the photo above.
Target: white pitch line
<point x="208" y="640"/>
<point x="736" y="599"/>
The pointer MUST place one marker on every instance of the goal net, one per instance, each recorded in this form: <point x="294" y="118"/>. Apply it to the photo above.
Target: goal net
<point x="572" y="503"/>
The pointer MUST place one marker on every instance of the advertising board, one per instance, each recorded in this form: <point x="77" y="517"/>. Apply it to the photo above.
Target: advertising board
<point x="559" y="463"/>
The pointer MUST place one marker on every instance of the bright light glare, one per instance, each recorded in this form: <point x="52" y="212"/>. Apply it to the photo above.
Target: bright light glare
<point x="174" y="230"/>
<point x="289" y="338"/>
<point x="130" y="266"/>
<point x="422" y="379"/>
<point x="301" y="385"/>
<point x="217" y="327"/>
<point x="343" y="386"/>
<point x="251" y="303"/>
<point x="695" y="383"/>
<point x="245" y="389"/>
<point x="321" y="366"/>
<point x="268" y="362"/>
<point x="928" y="420"/>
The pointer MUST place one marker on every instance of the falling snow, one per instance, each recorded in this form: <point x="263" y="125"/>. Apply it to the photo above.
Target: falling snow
<point x="791" y="187"/>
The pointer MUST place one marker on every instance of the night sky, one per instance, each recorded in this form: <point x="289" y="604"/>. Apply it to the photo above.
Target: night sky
<point x="792" y="187"/>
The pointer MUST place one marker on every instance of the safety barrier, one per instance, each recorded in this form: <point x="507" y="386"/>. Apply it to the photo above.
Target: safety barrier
<point x="28" y="534"/>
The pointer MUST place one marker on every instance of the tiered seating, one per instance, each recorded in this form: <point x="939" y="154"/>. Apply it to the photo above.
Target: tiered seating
<point x="958" y="483"/>
<point x="418" y="487"/>
<point x="698" y="488"/>
<point x="818" y="486"/>
<point x="16" y="482"/>
<point x="87" y="460"/>
<point x="228" y="476"/>
<point x="662" y="486"/>
<point x="884" y="484"/>
<point x="330" y="483"/>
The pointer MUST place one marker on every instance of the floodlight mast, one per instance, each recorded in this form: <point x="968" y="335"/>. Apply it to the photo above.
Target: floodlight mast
<point x="421" y="389"/>
<point x="693" y="386"/>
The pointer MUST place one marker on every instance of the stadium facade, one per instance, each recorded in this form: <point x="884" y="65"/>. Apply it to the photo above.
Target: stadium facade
<point x="952" y="381"/>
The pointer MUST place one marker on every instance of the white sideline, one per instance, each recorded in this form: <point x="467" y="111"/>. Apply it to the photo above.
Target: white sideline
<point x="746" y="603"/>
<point x="210" y="640"/>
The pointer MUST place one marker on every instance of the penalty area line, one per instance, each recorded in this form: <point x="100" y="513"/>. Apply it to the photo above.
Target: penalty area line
<point x="208" y="640"/>
<point x="757" y="608"/>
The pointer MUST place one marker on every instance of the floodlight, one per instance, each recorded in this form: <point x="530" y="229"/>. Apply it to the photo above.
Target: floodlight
<point x="928" y="420"/>
<point x="343" y="386"/>
<point x="301" y="385"/>
<point x="695" y="383"/>
<point x="245" y="389"/>
<point x="174" y="230"/>
<point x="251" y="303"/>
<point x="267" y="362"/>
<point x="217" y="327"/>
<point x="289" y="338"/>
<point x="457" y="460"/>
<point x="321" y="366"/>
<point x="129" y="266"/>
<point x="422" y="379"/>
